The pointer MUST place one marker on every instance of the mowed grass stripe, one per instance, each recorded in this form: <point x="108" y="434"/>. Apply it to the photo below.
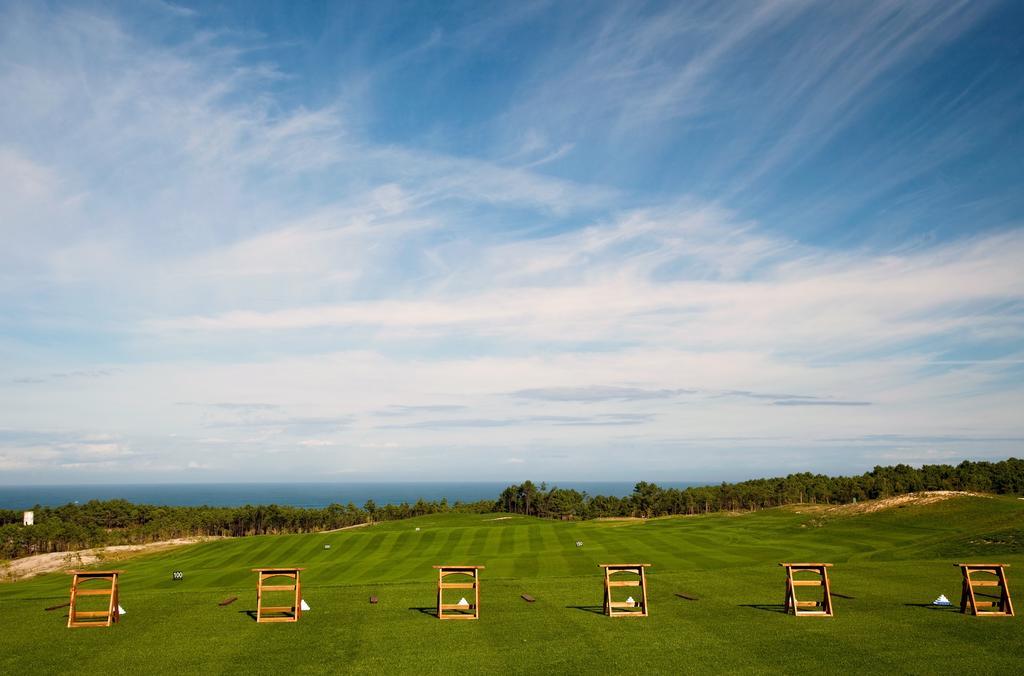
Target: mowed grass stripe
<point x="535" y="539"/>
<point x="492" y="544"/>
<point x="507" y="542"/>
<point x="527" y="565"/>
<point x="661" y="552"/>
<point x="436" y="544"/>
<point x="356" y="548"/>
<point x="510" y="566"/>
<point x="216" y="562"/>
<point x="267" y="552"/>
<point x="376" y="564"/>
<point x="211" y="556"/>
<point x="689" y="550"/>
<point x="421" y="548"/>
<point x="559" y="552"/>
<point x="425" y="544"/>
<point x="680" y="546"/>
<point x="394" y="547"/>
<point x="469" y="548"/>
<point x="443" y="546"/>
<point x="400" y="545"/>
<point x="593" y="550"/>
<point x="621" y="545"/>
<point x="292" y="547"/>
<point x="458" y="547"/>
<point x="412" y="550"/>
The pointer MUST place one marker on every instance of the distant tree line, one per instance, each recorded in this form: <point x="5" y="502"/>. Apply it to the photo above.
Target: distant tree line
<point x="100" y="523"/>
<point x="649" y="499"/>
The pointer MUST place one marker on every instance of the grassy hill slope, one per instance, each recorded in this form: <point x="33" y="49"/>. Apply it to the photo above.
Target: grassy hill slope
<point x="889" y="564"/>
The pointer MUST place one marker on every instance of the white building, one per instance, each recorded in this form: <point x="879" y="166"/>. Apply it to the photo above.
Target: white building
<point x="29" y="519"/>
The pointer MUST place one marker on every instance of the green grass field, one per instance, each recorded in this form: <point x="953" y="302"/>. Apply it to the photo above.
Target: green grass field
<point x="889" y="565"/>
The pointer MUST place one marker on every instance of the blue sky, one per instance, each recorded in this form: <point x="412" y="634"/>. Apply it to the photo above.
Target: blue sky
<point x="679" y="241"/>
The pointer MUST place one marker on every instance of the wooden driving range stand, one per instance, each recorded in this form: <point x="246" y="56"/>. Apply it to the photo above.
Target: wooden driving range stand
<point x="968" y="599"/>
<point x="623" y="608"/>
<point x="823" y="607"/>
<point x="473" y="608"/>
<point x="290" y="613"/>
<point x="93" y="618"/>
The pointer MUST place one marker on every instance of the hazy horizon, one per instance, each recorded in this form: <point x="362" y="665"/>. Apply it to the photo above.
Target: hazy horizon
<point x="253" y="241"/>
<point x="296" y="494"/>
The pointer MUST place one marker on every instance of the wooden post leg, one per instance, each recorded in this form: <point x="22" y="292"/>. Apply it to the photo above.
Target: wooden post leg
<point x="476" y="593"/>
<point x="971" y="598"/>
<point x="115" y="607"/>
<point x="440" y="594"/>
<point x="1006" y="605"/>
<point x="74" y="593"/>
<point x="827" y="600"/>
<point x="607" y="593"/>
<point x="790" y="592"/>
<point x="643" y="590"/>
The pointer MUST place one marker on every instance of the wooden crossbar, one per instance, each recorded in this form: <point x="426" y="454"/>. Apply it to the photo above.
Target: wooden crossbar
<point x="290" y="613"/>
<point x="93" y="618"/>
<point x="821" y="608"/>
<point x="612" y="608"/>
<point x="1003" y="607"/>
<point x="455" y="610"/>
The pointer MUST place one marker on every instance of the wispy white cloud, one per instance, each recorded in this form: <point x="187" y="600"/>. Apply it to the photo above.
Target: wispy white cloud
<point x="605" y="284"/>
<point x="173" y="8"/>
<point x="596" y="393"/>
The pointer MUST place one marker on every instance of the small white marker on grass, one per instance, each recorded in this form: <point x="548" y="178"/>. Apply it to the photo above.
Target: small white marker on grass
<point x="120" y="610"/>
<point x="303" y="605"/>
<point x="463" y="602"/>
<point x="941" y="601"/>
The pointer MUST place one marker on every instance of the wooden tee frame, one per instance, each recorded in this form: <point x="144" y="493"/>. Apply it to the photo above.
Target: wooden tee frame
<point x="93" y="618"/>
<point x="824" y="607"/>
<point x="290" y="613"/>
<point x="968" y="598"/>
<point x="474" y="607"/>
<point x="623" y="608"/>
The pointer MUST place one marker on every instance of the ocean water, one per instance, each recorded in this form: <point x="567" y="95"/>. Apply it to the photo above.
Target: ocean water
<point x="294" y="494"/>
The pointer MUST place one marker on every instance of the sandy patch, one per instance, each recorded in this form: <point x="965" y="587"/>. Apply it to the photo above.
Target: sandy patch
<point x="30" y="566"/>
<point x="868" y="506"/>
<point x="500" y="518"/>
<point x="358" y="525"/>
